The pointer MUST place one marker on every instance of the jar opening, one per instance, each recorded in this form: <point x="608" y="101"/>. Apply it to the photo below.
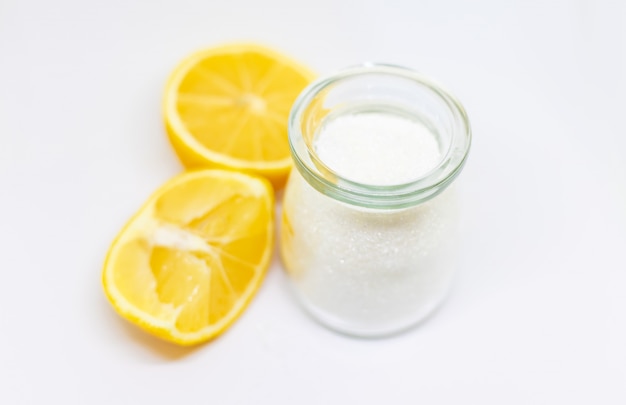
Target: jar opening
<point x="406" y="171"/>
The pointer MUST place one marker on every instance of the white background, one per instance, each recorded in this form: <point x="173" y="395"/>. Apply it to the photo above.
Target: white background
<point x="538" y="315"/>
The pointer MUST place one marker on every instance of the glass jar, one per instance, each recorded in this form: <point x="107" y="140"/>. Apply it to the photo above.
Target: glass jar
<point x="372" y="259"/>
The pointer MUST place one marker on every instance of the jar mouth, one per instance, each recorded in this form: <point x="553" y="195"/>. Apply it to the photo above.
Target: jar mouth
<point x="310" y="103"/>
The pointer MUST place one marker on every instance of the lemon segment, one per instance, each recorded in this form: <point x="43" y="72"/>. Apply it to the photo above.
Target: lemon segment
<point x="187" y="264"/>
<point x="228" y="106"/>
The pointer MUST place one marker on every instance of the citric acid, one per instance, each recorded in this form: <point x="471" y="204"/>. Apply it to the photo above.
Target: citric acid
<point x="368" y="225"/>
<point x="368" y="271"/>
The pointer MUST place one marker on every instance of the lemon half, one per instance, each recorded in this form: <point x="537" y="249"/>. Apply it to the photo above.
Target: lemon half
<point x="191" y="259"/>
<point x="227" y="107"/>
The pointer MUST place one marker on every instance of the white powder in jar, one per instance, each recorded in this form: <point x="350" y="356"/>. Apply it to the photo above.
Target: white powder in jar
<point x="368" y="271"/>
<point x="377" y="148"/>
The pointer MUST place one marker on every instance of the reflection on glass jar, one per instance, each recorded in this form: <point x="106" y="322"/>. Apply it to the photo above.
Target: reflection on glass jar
<point x="369" y="221"/>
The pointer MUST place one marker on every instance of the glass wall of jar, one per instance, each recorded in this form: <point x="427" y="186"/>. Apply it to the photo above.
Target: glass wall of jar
<point x="368" y="233"/>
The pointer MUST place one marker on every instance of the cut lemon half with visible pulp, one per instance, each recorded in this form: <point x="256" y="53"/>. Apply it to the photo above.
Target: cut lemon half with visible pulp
<point x="228" y="107"/>
<point x="187" y="264"/>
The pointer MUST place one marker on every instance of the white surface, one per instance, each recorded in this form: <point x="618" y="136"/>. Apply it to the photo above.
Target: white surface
<point x="538" y="315"/>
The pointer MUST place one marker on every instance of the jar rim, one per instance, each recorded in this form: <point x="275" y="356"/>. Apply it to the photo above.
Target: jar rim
<point x="396" y="196"/>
